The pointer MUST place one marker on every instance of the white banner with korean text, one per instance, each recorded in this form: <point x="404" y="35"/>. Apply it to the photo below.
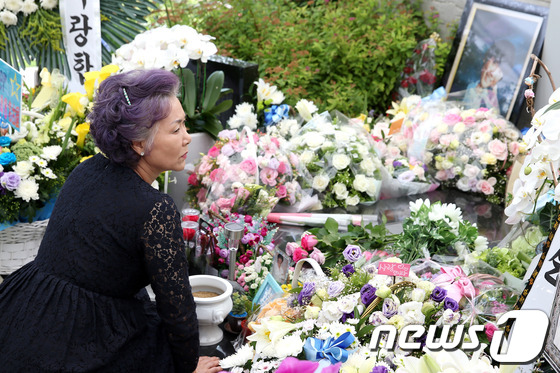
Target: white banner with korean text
<point x="81" y="30"/>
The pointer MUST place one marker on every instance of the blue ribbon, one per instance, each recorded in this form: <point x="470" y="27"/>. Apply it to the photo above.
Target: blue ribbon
<point x="333" y="349"/>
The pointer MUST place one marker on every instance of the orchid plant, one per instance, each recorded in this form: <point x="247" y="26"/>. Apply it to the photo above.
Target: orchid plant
<point x="172" y="49"/>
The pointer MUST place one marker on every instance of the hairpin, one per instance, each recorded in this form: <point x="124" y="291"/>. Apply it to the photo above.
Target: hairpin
<point x="126" y="97"/>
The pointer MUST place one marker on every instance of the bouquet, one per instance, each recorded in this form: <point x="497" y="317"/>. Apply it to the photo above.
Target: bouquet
<point x="333" y="320"/>
<point x="244" y="172"/>
<point x="436" y="229"/>
<point x="471" y="150"/>
<point x="254" y="259"/>
<point x="339" y="161"/>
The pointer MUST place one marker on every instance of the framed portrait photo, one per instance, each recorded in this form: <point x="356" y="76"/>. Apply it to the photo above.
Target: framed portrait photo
<point x="280" y="266"/>
<point x="268" y="291"/>
<point x="552" y="343"/>
<point x="491" y="55"/>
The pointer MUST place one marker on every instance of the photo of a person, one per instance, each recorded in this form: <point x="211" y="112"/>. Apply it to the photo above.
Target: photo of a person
<point x="484" y="92"/>
<point x="280" y="267"/>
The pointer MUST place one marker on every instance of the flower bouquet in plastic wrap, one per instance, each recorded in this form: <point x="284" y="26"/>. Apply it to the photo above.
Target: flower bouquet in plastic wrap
<point x="338" y="161"/>
<point x="470" y="150"/>
<point x="403" y="174"/>
<point x="244" y="172"/>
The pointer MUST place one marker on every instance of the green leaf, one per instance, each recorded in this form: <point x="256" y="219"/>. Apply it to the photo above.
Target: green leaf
<point x="221" y="107"/>
<point x="331" y="226"/>
<point x="365" y="331"/>
<point x="214" y="86"/>
<point x="554" y="106"/>
<point x="189" y="84"/>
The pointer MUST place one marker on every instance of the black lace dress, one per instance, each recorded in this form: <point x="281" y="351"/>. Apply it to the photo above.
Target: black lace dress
<point x="81" y="304"/>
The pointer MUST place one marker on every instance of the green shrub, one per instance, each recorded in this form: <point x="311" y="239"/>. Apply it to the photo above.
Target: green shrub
<point x="344" y="55"/>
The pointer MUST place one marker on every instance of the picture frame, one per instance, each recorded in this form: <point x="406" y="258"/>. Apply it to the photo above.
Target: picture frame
<point x="280" y="266"/>
<point x="268" y="291"/>
<point x="491" y="54"/>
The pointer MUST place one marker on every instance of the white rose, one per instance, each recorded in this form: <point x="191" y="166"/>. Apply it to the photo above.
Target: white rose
<point x="341" y="137"/>
<point x="471" y="171"/>
<point x="340" y="191"/>
<point x="327" y="145"/>
<point x="372" y="187"/>
<point x="340" y="161"/>
<point x="459" y="127"/>
<point x="320" y="182"/>
<point x="352" y="201"/>
<point x="23" y="168"/>
<point x="311" y="312"/>
<point x="360" y="183"/>
<point x="27" y="190"/>
<point x="314" y="139"/>
<point x="306" y="157"/>
<point x="418" y="295"/>
<point x="306" y="109"/>
<point x="446" y="164"/>
<point x="368" y="166"/>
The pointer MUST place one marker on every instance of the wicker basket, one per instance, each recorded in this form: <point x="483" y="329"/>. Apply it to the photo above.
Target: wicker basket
<point x="19" y="245"/>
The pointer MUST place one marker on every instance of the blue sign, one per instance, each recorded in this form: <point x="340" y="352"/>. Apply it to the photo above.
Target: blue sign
<point x="10" y="96"/>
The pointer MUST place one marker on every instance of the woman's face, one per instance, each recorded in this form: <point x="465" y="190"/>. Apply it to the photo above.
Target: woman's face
<point x="170" y="146"/>
<point x="491" y="74"/>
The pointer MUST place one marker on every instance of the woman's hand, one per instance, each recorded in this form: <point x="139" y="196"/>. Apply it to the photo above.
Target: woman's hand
<point x="208" y="364"/>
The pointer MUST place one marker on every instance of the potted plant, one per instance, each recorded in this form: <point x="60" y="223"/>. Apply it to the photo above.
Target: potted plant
<point x="238" y="313"/>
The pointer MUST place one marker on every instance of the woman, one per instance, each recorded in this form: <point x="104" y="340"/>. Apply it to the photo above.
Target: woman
<point x="81" y="304"/>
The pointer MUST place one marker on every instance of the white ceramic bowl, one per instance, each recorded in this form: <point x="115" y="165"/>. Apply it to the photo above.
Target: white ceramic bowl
<point x="212" y="311"/>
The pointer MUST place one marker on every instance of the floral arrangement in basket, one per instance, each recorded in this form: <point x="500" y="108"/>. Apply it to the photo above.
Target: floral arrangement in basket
<point x="254" y="259"/>
<point x="333" y="319"/>
<point x="339" y="161"/>
<point x="244" y="172"/>
<point x="53" y="139"/>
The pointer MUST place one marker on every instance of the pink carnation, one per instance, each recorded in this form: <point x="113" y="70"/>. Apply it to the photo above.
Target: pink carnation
<point x="214" y="152"/>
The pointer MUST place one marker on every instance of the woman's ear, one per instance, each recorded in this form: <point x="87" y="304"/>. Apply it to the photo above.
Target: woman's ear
<point x="138" y="147"/>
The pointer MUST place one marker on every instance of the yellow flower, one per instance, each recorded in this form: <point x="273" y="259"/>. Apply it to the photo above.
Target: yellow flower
<point x="85" y="158"/>
<point x="76" y="102"/>
<point x="82" y="130"/>
<point x="91" y="77"/>
<point x="65" y="122"/>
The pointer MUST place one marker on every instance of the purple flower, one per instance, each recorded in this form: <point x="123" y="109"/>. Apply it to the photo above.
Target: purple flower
<point x="346" y="316"/>
<point x="335" y="288"/>
<point x="306" y="293"/>
<point x="348" y="269"/>
<point x="379" y="369"/>
<point x="367" y="294"/>
<point x="397" y="163"/>
<point x="422" y="339"/>
<point x="438" y="294"/>
<point x="224" y="253"/>
<point x="10" y="180"/>
<point x="224" y="273"/>
<point x="390" y="308"/>
<point x="450" y="303"/>
<point x="352" y="253"/>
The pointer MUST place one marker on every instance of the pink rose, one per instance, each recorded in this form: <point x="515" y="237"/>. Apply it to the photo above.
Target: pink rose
<point x="214" y="152"/>
<point x="434" y="136"/>
<point x="217" y="175"/>
<point x="514" y="148"/>
<point x="291" y="248"/>
<point x="484" y="126"/>
<point x="469" y="121"/>
<point x="452" y="118"/>
<point x="318" y="256"/>
<point x="499" y="149"/>
<point x="282" y="191"/>
<point x="249" y="166"/>
<point x="485" y="187"/>
<point x="225" y="203"/>
<point x="308" y="241"/>
<point x="193" y="179"/>
<point x="268" y="176"/>
<point x="441" y="175"/>
<point x="237" y="146"/>
<point x="489" y="329"/>
<point x="300" y="254"/>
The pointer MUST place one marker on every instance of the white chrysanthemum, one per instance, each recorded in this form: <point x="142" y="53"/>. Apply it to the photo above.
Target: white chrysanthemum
<point x="415" y="206"/>
<point x="235" y="121"/>
<point x="47" y="172"/>
<point x="320" y="182"/>
<point x="289" y="346"/>
<point x="340" y="161"/>
<point x="27" y="190"/>
<point x="306" y="109"/>
<point x="8" y="18"/>
<point x="24" y="169"/>
<point x="49" y="4"/>
<point x="13" y="5"/>
<point x="243" y="355"/>
<point x="29" y="7"/>
<point x="244" y="108"/>
<point x="40" y="162"/>
<point x="51" y="152"/>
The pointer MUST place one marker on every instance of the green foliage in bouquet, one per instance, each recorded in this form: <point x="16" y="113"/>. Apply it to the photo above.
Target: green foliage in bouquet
<point x="346" y="55"/>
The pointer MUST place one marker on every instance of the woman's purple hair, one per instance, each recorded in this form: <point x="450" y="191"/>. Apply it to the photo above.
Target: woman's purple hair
<point x="115" y="123"/>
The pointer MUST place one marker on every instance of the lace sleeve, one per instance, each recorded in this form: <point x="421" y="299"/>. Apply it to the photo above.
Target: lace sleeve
<point x="168" y="270"/>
